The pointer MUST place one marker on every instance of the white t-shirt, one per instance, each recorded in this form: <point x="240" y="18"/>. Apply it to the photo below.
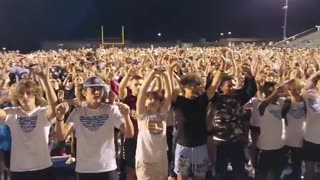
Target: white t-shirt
<point x="296" y="121"/>
<point x="30" y="136"/>
<point x="271" y="128"/>
<point x="254" y="121"/>
<point x="152" y="141"/>
<point x="312" y="129"/>
<point x="95" y="137"/>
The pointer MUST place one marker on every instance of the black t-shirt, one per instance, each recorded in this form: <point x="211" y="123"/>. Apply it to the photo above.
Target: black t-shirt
<point x="190" y="116"/>
<point x="131" y="101"/>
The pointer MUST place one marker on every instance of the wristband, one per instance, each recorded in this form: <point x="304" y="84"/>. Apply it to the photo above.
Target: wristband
<point x="59" y="120"/>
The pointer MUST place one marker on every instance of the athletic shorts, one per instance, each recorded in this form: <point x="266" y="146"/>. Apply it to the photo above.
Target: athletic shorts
<point x="310" y="151"/>
<point x="191" y="160"/>
<point x="46" y="174"/>
<point x="272" y="160"/>
<point x="156" y="171"/>
<point x="110" y="175"/>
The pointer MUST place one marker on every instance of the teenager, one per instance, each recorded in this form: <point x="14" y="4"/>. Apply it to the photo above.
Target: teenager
<point x="94" y="126"/>
<point x="311" y="144"/>
<point x="128" y="92"/>
<point x="191" y="154"/>
<point x="29" y="124"/>
<point x="271" y="156"/>
<point x="294" y="114"/>
<point x="229" y="124"/>
<point x="152" y="113"/>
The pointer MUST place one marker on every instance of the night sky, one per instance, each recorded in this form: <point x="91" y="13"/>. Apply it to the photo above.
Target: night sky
<point x="26" y="23"/>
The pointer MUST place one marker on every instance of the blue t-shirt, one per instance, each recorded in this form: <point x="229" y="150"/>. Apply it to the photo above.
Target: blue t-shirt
<point x="5" y="138"/>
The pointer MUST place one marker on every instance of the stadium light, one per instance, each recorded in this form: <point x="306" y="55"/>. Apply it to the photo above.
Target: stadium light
<point x="4" y="48"/>
<point x="285" y="8"/>
<point x="159" y="34"/>
<point x="221" y="34"/>
<point x="229" y="33"/>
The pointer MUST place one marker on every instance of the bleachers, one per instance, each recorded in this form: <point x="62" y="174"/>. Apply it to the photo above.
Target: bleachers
<point x="307" y="39"/>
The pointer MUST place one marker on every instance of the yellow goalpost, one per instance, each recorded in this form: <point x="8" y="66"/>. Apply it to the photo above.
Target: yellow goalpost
<point x="112" y="43"/>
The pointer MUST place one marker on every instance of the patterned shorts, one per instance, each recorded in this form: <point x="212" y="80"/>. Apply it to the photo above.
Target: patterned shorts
<point x="191" y="161"/>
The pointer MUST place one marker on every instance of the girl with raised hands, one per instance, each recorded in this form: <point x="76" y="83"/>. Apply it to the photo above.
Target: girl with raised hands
<point x="152" y="110"/>
<point x="29" y="124"/>
<point x="311" y="143"/>
<point x="294" y="114"/>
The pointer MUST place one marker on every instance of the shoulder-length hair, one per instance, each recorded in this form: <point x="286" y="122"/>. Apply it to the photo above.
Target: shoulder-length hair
<point x="15" y="92"/>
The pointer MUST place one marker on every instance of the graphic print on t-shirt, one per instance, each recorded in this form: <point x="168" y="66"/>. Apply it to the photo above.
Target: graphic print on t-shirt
<point x="276" y="114"/>
<point x="27" y="124"/>
<point x="297" y="112"/>
<point x="154" y="126"/>
<point x="314" y="104"/>
<point x="93" y="123"/>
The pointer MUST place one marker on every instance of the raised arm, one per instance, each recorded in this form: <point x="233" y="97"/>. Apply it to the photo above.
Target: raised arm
<point x="124" y="82"/>
<point x="217" y="76"/>
<point x="43" y="73"/>
<point x="66" y="80"/>
<point x="249" y="88"/>
<point x="141" y="99"/>
<point x="62" y="129"/>
<point x="167" y="93"/>
<point x="264" y="104"/>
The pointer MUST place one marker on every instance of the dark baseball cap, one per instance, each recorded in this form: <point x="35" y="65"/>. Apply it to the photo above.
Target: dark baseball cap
<point x="94" y="82"/>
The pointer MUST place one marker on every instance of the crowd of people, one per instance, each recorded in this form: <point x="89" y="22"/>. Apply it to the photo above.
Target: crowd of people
<point x="161" y="113"/>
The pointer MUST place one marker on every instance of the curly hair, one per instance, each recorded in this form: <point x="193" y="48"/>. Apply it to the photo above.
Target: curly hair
<point x="16" y="89"/>
<point x="191" y="79"/>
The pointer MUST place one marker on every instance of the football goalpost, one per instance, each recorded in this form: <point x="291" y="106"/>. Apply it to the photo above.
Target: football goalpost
<point x="112" y="43"/>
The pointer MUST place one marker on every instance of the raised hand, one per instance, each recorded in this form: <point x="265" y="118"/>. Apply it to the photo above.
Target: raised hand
<point x="62" y="109"/>
<point x="224" y="58"/>
<point x="247" y="70"/>
<point x="60" y="95"/>
<point x="133" y="70"/>
<point x="124" y="109"/>
<point x="173" y="65"/>
<point x="159" y="69"/>
<point x="42" y="70"/>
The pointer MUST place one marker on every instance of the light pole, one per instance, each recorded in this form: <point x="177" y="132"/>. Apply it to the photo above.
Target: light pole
<point x="285" y="20"/>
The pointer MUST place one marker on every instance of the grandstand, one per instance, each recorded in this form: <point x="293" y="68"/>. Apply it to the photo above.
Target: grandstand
<point x="307" y="39"/>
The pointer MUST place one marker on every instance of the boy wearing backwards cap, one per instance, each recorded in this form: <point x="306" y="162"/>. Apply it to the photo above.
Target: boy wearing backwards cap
<point x="94" y="125"/>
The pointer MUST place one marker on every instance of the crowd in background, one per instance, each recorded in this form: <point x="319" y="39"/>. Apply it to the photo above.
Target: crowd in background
<point x="161" y="113"/>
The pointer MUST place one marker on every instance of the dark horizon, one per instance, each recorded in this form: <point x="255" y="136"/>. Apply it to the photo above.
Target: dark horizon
<point x="24" y="24"/>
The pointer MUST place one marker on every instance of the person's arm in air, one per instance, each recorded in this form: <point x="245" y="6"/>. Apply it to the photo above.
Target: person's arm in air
<point x="268" y="100"/>
<point x="249" y="88"/>
<point x="67" y="80"/>
<point x="63" y="129"/>
<point x="43" y="74"/>
<point x="167" y="93"/>
<point x="124" y="82"/>
<point x="141" y="99"/>
<point x="217" y="77"/>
